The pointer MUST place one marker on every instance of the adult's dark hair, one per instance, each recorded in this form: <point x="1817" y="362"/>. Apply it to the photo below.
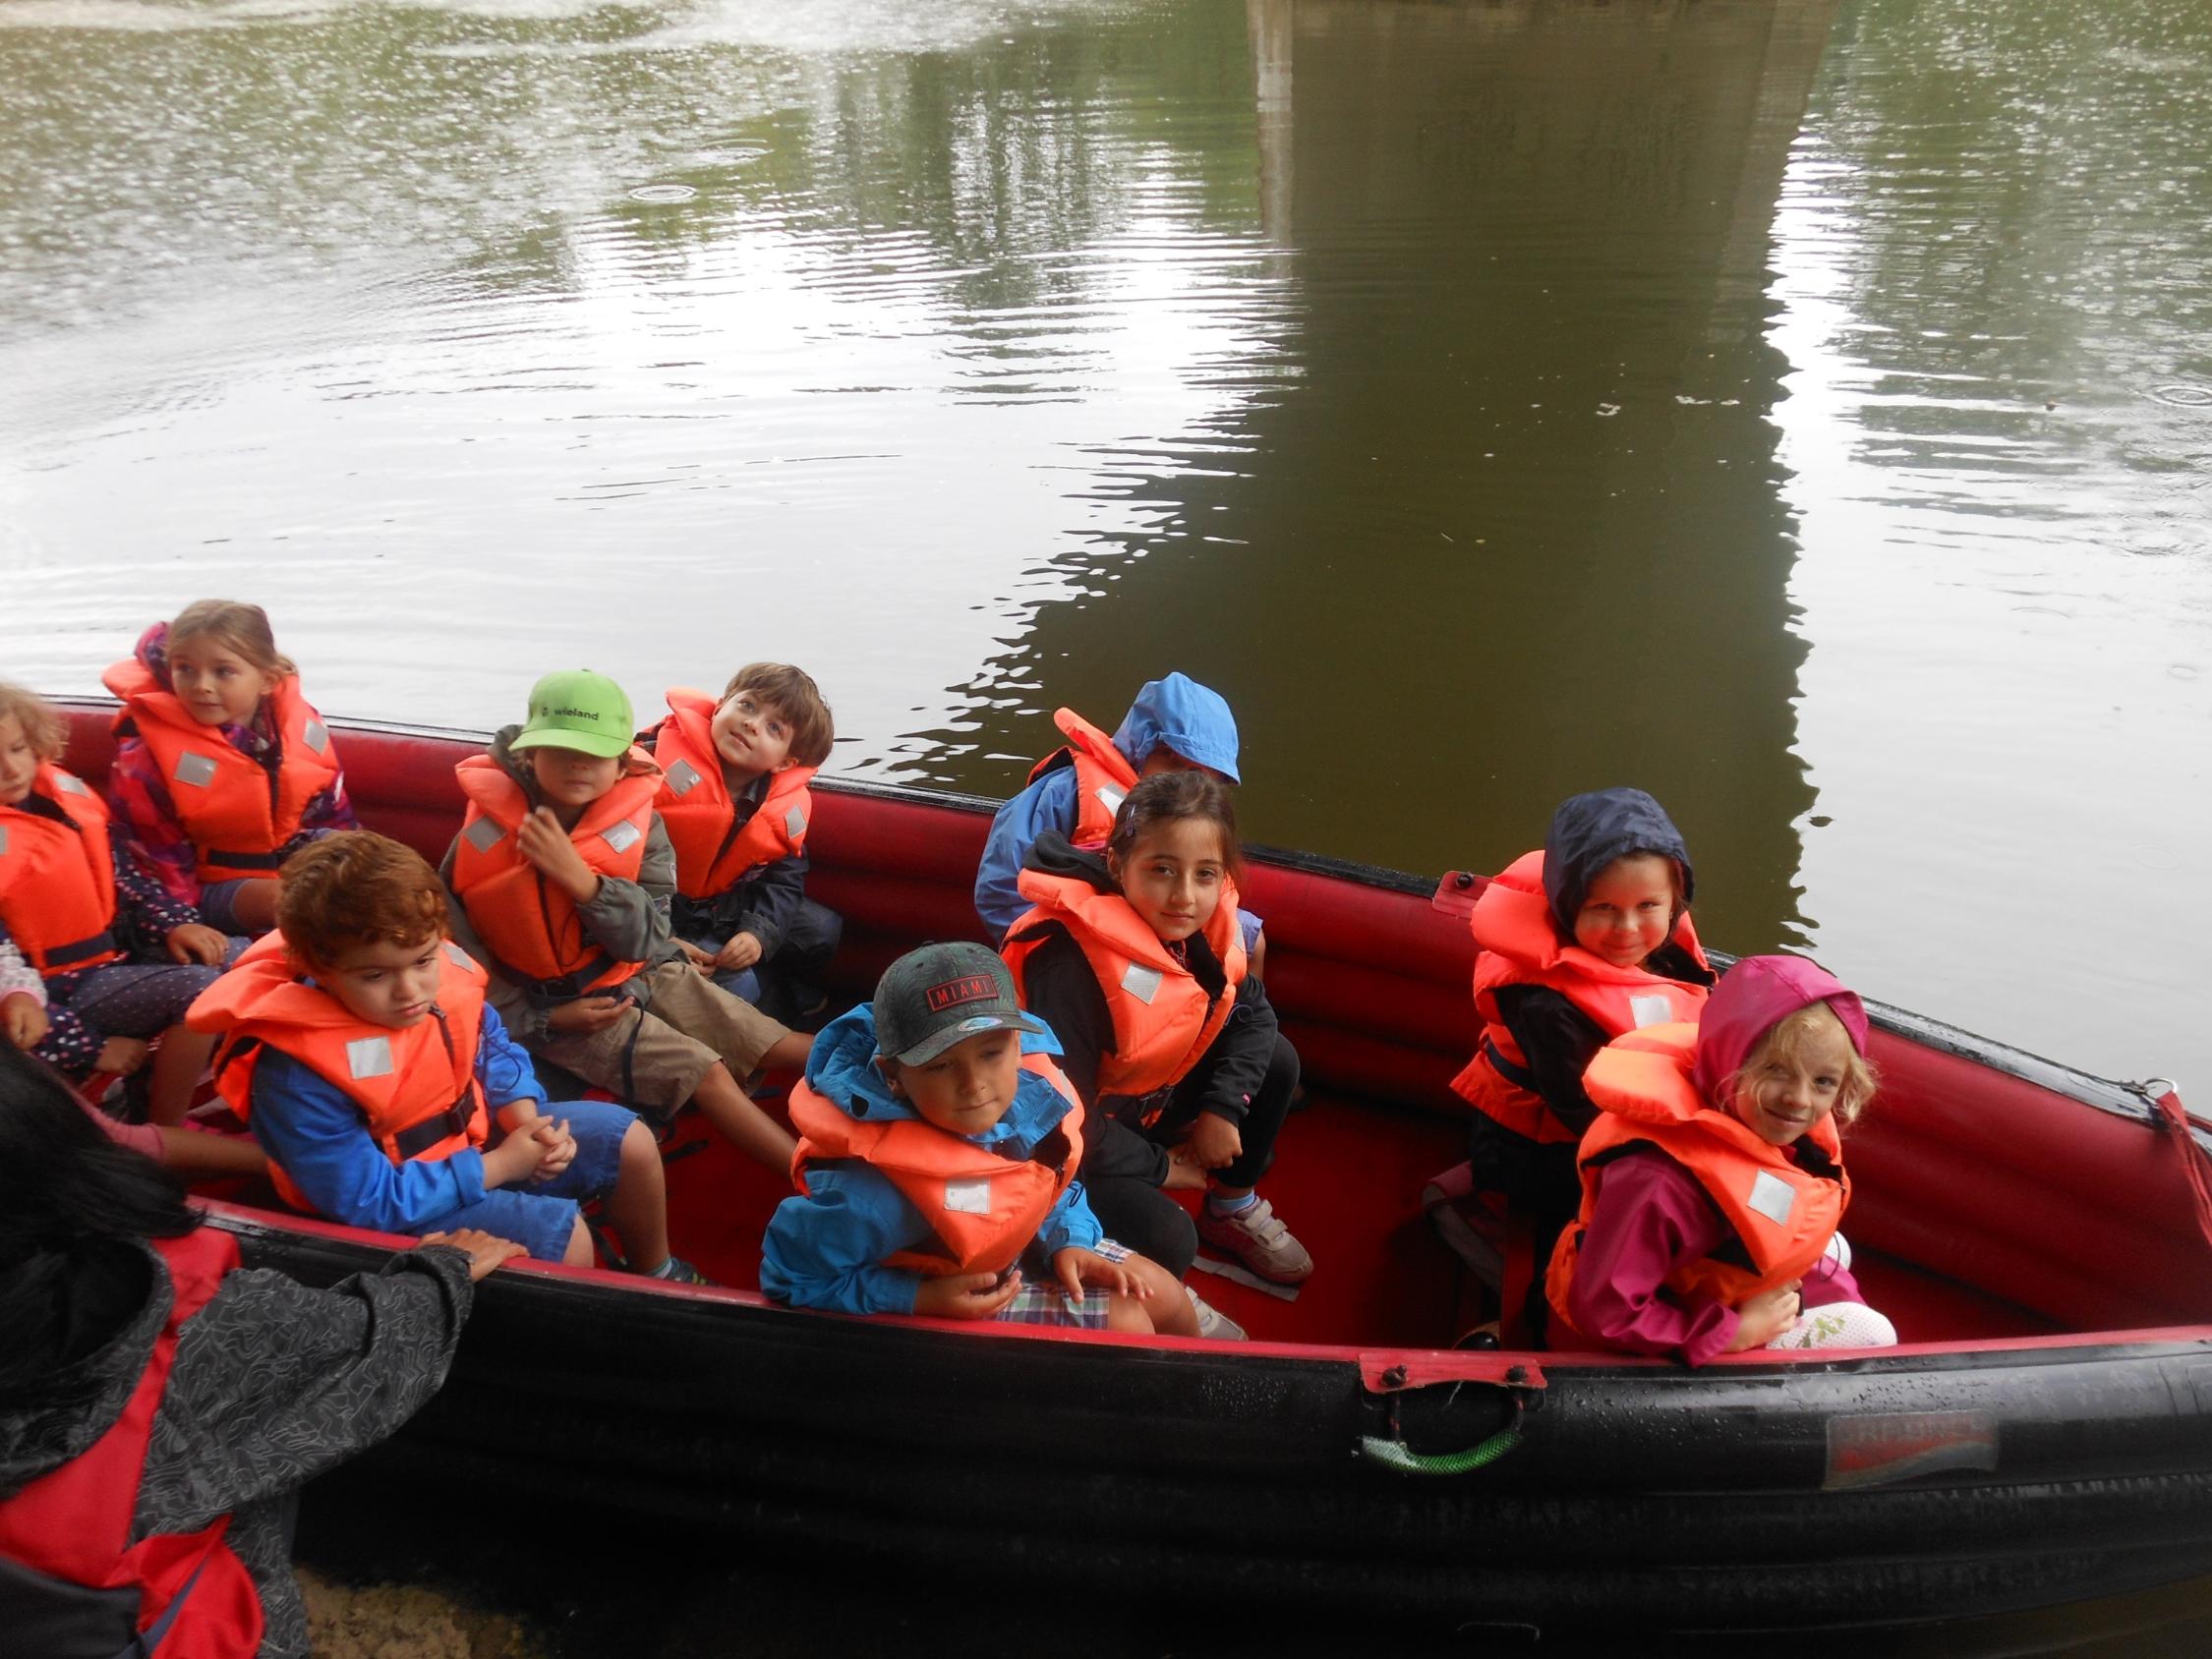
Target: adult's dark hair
<point x="73" y="1208"/>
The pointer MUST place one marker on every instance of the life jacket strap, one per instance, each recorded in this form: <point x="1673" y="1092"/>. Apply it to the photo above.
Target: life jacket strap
<point x="216" y="857"/>
<point x="420" y="1137"/>
<point x="566" y="987"/>
<point x="101" y="944"/>
<point x="1513" y="1072"/>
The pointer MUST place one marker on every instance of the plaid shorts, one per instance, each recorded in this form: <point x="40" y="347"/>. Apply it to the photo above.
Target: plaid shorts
<point x="1042" y="1300"/>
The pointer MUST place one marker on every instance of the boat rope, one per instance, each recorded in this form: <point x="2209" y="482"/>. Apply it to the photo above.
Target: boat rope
<point x="2194" y="1159"/>
<point x="1397" y="1454"/>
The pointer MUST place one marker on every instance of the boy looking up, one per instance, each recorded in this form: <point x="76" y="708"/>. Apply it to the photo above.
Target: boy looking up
<point x="564" y="873"/>
<point x="735" y="804"/>
<point x="358" y="1047"/>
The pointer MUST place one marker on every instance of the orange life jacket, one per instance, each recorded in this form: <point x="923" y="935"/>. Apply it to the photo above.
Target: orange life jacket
<point x="531" y="925"/>
<point x="238" y="813"/>
<point x="1518" y="945"/>
<point x="71" y="1525"/>
<point x="57" y="880"/>
<point x="1103" y="777"/>
<point x="713" y="852"/>
<point x="414" y="1085"/>
<point x="1783" y="1210"/>
<point x="982" y="1207"/>
<point x="1164" y="1021"/>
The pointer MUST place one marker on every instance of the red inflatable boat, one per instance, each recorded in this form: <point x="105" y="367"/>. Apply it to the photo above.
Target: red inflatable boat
<point x="2039" y="1237"/>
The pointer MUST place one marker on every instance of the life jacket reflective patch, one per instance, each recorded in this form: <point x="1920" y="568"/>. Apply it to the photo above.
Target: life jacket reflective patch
<point x="621" y="837"/>
<point x="71" y="784"/>
<point x="369" y="1057"/>
<point x="969" y="1197"/>
<point x="1110" y="798"/>
<point x="194" y="767"/>
<point x="1773" y="1197"/>
<point x="315" y="736"/>
<point x="485" y="834"/>
<point x="794" y="823"/>
<point x="1650" y="1009"/>
<point x="682" y="778"/>
<point x="1141" y="981"/>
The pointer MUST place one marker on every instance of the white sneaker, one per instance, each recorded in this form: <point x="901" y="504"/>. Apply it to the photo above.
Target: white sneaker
<point x="1213" y="1321"/>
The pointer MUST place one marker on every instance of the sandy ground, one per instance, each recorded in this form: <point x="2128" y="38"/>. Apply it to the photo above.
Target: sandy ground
<point x="406" y="1622"/>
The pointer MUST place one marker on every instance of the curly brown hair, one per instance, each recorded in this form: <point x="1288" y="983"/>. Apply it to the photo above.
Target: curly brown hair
<point x="357" y="888"/>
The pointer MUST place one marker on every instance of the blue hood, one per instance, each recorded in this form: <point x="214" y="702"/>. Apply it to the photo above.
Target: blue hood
<point x="1193" y="720"/>
<point x="842" y="1066"/>
<point x="1589" y="832"/>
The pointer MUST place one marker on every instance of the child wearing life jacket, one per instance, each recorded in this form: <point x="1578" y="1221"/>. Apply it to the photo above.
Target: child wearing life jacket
<point x="358" y="1049"/>
<point x="1175" y="725"/>
<point x="1713" y="1180"/>
<point x="564" y="872"/>
<point x="118" y="959"/>
<point x="735" y="804"/>
<point x="222" y="769"/>
<point x="1135" y="961"/>
<point x="939" y="1163"/>
<point x="1578" y="942"/>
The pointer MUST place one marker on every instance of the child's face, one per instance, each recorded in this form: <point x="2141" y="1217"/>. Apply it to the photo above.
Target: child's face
<point x="1782" y="1096"/>
<point x="215" y="684"/>
<point x="1629" y="909"/>
<point x="386" y="984"/>
<point x="966" y="1089"/>
<point x="751" y="735"/>
<point x="18" y="761"/>
<point x="570" y="779"/>
<point x="1173" y="876"/>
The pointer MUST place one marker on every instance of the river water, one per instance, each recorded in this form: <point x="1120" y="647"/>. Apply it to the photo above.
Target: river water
<point x="1801" y="410"/>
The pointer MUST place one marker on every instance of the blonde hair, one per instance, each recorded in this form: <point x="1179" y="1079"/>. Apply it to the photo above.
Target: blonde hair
<point x="41" y="721"/>
<point x="1785" y="1041"/>
<point x="235" y="626"/>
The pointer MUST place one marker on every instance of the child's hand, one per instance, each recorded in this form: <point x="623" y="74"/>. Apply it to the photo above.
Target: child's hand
<point x="1184" y="1174"/>
<point x="196" y="942"/>
<point x="556" y="1148"/>
<point x="545" y="843"/>
<point x="514" y="1159"/>
<point x="741" y="951"/>
<point x="966" y="1295"/>
<point x="24" y="1019"/>
<point x="1766" y="1316"/>
<point x="122" y="1055"/>
<point x="1214" y="1142"/>
<point x="587" y="1014"/>
<point x="483" y="1251"/>
<point x="703" y="961"/>
<point x="1076" y="1267"/>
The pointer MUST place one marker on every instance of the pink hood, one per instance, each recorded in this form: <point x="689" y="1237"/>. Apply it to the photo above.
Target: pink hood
<point x="1750" y="997"/>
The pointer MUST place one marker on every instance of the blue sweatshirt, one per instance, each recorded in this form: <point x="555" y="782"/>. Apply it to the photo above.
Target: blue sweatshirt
<point x="824" y="1248"/>
<point x="311" y="1129"/>
<point x="1190" y="719"/>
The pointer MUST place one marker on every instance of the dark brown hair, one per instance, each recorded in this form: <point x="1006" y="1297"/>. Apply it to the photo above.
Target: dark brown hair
<point x="357" y="888"/>
<point x="1168" y="796"/>
<point x="798" y="698"/>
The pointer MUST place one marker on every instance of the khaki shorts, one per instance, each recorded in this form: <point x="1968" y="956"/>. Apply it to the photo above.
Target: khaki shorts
<point x="654" y="1056"/>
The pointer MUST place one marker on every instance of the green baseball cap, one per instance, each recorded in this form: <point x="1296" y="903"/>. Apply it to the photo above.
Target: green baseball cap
<point x="579" y="710"/>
